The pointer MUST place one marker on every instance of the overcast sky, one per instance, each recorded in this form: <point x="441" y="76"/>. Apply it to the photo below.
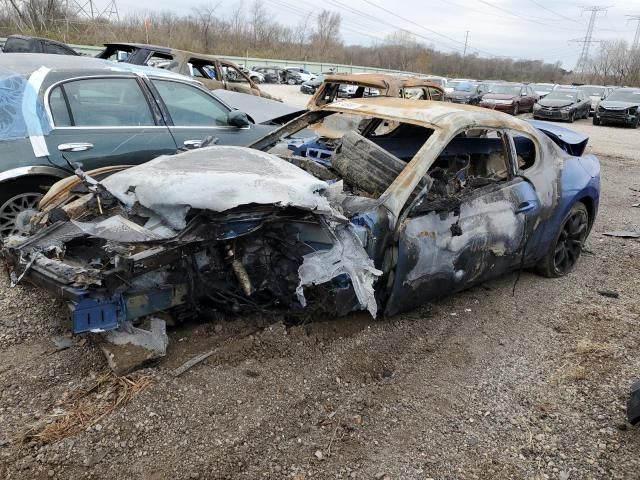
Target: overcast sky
<point x="535" y="29"/>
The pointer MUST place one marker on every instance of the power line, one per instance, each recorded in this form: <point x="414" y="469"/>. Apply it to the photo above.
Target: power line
<point x="342" y="5"/>
<point x="309" y="14"/>
<point x="555" y="13"/>
<point x="526" y="19"/>
<point x="447" y="37"/>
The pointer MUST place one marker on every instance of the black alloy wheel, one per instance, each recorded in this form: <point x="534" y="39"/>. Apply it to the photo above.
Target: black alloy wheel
<point x="564" y="254"/>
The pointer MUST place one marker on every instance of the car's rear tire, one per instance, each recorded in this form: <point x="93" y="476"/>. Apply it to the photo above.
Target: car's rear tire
<point x="567" y="246"/>
<point x="19" y="201"/>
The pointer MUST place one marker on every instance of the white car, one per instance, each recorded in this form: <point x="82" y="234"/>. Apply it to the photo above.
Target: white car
<point x="256" y="77"/>
<point x="596" y="93"/>
<point x="305" y="75"/>
<point x="442" y="81"/>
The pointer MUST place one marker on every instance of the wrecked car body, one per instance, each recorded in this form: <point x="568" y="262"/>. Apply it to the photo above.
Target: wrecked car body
<point x="419" y="200"/>
<point x="338" y="86"/>
<point x="215" y="73"/>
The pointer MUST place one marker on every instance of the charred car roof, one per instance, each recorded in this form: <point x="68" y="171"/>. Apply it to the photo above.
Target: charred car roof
<point x="381" y="81"/>
<point x="436" y="115"/>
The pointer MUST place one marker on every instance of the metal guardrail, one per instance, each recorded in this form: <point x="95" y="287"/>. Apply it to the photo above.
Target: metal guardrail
<point x="250" y="62"/>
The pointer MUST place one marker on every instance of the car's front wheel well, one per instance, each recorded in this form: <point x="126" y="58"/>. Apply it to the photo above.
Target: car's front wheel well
<point x="590" y="206"/>
<point x="40" y="182"/>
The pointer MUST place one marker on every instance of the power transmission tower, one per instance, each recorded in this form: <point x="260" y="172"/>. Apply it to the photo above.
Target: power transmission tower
<point x="636" y="38"/>
<point x="88" y="10"/>
<point x="466" y="41"/>
<point x="588" y="38"/>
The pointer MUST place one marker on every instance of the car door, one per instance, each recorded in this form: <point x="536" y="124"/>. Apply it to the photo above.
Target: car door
<point x="585" y="104"/>
<point x="447" y="246"/>
<point x="526" y="100"/>
<point x="102" y="121"/>
<point x="194" y="114"/>
<point x="435" y="94"/>
<point x="207" y="72"/>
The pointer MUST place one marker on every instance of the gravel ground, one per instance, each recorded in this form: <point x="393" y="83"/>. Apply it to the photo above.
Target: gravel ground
<point x="483" y="385"/>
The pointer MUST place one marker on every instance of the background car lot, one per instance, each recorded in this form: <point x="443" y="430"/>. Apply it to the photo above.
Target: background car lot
<point x="486" y="384"/>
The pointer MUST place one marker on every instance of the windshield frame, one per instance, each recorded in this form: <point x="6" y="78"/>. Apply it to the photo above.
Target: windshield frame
<point x="562" y="95"/>
<point x="472" y="86"/>
<point x="600" y="91"/>
<point x="627" y="96"/>
<point x="505" y="89"/>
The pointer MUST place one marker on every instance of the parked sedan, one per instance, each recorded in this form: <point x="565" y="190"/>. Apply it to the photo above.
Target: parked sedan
<point x="311" y="86"/>
<point x="543" y="89"/>
<point x="305" y="75"/>
<point x="26" y="44"/>
<point x="563" y="105"/>
<point x="509" y="97"/>
<point x="596" y="93"/>
<point x="393" y="220"/>
<point x="81" y="110"/>
<point x="469" y="93"/>
<point x="621" y="107"/>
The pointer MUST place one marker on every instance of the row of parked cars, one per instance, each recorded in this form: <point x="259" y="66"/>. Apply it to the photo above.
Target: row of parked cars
<point x="546" y="101"/>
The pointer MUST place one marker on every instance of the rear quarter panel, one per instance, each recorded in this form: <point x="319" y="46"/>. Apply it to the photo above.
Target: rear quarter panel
<point x="579" y="182"/>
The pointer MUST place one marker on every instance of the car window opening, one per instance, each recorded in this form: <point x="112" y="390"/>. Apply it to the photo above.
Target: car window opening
<point x="472" y="160"/>
<point x="367" y="154"/>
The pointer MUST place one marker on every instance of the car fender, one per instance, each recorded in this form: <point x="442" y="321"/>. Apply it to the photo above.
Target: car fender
<point x="576" y="185"/>
<point x="30" y="171"/>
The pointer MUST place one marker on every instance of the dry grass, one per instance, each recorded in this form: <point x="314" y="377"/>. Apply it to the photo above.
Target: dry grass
<point x="82" y="408"/>
<point x="593" y="349"/>
<point x="587" y="359"/>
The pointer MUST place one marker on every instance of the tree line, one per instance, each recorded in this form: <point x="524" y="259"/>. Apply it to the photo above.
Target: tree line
<point x="614" y="63"/>
<point x="249" y="29"/>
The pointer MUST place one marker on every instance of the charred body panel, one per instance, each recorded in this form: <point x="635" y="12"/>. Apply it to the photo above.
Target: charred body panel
<point x="381" y="221"/>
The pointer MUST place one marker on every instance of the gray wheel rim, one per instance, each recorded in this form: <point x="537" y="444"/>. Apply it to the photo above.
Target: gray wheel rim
<point x="13" y="213"/>
<point x="570" y="242"/>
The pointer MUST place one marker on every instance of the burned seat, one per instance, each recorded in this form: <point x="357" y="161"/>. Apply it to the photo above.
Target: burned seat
<point x="365" y="166"/>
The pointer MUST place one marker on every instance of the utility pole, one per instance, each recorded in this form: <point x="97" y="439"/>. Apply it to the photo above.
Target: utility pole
<point x="588" y="38"/>
<point x="466" y="41"/>
<point x="636" y="39"/>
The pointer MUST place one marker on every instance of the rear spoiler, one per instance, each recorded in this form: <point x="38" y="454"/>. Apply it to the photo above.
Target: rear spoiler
<point x="570" y="141"/>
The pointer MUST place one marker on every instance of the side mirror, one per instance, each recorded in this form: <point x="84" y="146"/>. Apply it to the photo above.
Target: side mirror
<point x="238" y="119"/>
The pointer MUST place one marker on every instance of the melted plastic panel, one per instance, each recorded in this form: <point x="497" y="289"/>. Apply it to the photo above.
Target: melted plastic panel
<point x="22" y="113"/>
<point x="216" y="179"/>
<point x="346" y="257"/>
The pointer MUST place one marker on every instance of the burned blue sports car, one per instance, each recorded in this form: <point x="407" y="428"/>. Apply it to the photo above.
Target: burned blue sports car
<point x="378" y="204"/>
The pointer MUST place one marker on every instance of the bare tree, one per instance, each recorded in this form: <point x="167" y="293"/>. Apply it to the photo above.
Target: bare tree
<point x="327" y="32"/>
<point x="205" y="19"/>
